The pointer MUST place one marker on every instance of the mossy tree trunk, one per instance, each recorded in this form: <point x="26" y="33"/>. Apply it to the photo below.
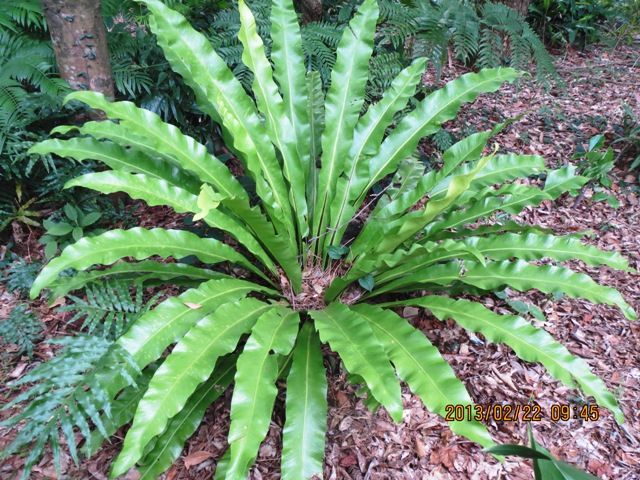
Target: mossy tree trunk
<point x="80" y="43"/>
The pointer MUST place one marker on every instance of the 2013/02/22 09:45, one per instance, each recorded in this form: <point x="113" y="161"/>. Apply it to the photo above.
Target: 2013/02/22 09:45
<point x="521" y="412"/>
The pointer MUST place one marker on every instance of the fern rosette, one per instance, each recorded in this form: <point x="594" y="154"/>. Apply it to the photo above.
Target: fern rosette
<point x="347" y="226"/>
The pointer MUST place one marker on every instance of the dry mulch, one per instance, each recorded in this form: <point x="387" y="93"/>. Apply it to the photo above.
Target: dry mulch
<point x="365" y="445"/>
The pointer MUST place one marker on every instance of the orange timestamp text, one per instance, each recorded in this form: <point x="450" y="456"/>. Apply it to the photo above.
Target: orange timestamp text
<point x="531" y="412"/>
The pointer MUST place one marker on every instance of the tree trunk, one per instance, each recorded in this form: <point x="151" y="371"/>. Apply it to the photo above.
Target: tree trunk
<point x="520" y="6"/>
<point x="80" y="44"/>
<point x="311" y="10"/>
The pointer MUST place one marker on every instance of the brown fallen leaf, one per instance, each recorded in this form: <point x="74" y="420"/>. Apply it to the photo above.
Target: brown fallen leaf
<point x="196" y="458"/>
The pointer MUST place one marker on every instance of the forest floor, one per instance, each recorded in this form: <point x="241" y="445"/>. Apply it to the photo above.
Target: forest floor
<point x="362" y="445"/>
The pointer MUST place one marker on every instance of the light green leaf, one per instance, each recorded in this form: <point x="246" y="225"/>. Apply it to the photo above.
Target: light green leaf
<point x="519" y="275"/>
<point x="137" y="270"/>
<point x="154" y="331"/>
<point x="272" y="107"/>
<point x="189" y="364"/>
<point x="528" y="342"/>
<point x="139" y="243"/>
<point x="160" y="138"/>
<point x="435" y="109"/>
<point x="349" y="334"/>
<point x="342" y="107"/>
<point x="118" y="158"/>
<point x="255" y="390"/>
<point x="290" y="72"/>
<point x="419" y="364"/>
<point x="169" y="445"/>
<point x="216" y="88"/>
<point x="207" y="200"/>
<point x="303" y="433"/>
<point x="366" y="141"/>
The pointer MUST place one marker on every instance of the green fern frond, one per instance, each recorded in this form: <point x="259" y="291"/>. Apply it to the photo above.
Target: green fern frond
<point x="56" y="403"/>
<point x="21" y="328"/>
<point x="109" y="307"/>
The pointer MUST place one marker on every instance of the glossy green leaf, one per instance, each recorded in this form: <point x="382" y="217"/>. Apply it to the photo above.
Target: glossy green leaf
<point x="192" y="56"/>
<point x="189" y="364"/>
<point x="289" y="71"/>
<point x="271" y="105"/>
<point x="169" y="444"/>
<point x="133" y="271"/>
<point x="303" y="434"/>
<point x="165" y="139"/>
<point x="154" y="331"/>
<point x="342" y="107"/>
<point x="118" y="158"/>
<point x="139" y="243"/>
<point x="366" y="141"/>
<point x="528" y="342"/>
<point x="519" y="275"/>
<point x="420" y="364"/>
<point x="530" y="246"/>
<point x="155" y="191"/>
<point x="430" y="113"/>
<point x="349" y="334"/>
<point x="255" y="390"/>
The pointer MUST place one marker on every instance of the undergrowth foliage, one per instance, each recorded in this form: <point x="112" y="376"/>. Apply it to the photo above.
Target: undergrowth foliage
<point x="344" y="230"/>
<point x="22" y="329"/>
<point x="109" y="307"/>
<point x="487" y="35"/>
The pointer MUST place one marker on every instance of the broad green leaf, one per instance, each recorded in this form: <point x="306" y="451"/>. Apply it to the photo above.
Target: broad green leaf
<point x="113" y="156"/>
<point x="315" y="112"/>
<point x="519" y="275"/>
<point x="420" y="364"/>
<point x="155" y="191"/>
<point x="398" y="231"/>
<point x="349" y="334"/>
<point x="435" y="109"/>
<point x="530" y="246"/>
<point x="133" y="271"/>
<point x="139" y="243"/>
<point x="270" y="104"/>
<point x="57" y="228"/>
<point x="564" y="180"/>
<point x="118" y="158"/>
<point x="169" y="445"/>
<point x="255" y="391"/>
<point x="515" y="199"/>
<point x="189" y="364"/>
<point x="290" y="72"/>
<point x="303" y="433"/>
<point x="154" y="331"/>
<point x="164" y="139"/>
<point x="192" y="56"/>
<point x="528" y="342"/>
<point x="499" y="169"/>
<point x="342" y="107"/>
<point x="366" y="141"/>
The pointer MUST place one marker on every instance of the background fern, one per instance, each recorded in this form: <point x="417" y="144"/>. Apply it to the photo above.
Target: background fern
<point x="109" y="307"/>
<point x="57" y="403"/>
<point x="19" y="276"/>
<point x="21" y="328"/>
<point x="481" y="34"/>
